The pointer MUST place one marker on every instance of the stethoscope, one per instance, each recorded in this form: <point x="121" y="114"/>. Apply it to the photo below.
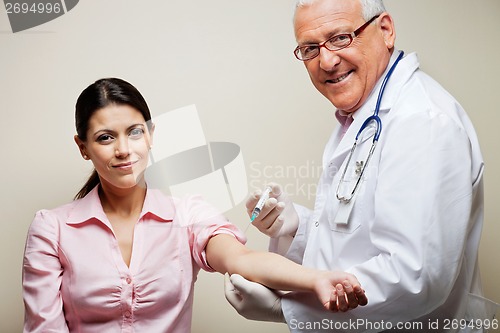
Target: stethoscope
<point x="361" y="166"/>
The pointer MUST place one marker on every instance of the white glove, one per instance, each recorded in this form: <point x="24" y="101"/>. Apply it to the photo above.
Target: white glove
<point x="278" y="217"/>
<point x="253" y="300"/>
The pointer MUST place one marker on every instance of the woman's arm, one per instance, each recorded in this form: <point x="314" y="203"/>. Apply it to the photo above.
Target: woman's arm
<point x="335" y="290"/>
<point x="42" y="273"/>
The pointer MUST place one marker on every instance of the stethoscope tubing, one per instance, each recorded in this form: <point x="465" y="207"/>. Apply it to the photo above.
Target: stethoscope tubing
<point x="375" y="116"/>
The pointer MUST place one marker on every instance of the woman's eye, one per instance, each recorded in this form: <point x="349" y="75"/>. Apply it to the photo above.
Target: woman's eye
<point x="136" y="132"/>
<point x="105" y="138"/>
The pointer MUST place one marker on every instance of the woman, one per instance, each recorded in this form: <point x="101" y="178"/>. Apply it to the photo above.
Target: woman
<point x="124" y="258"/>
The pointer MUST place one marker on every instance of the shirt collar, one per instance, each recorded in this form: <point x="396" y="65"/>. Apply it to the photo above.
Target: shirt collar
<point x="89" y="207"/>
<point x="343" y="117"/>
<point x="159" y="205"/>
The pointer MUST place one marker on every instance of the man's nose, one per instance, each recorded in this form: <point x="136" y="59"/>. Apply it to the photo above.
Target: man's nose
<point x="328" y="59"/>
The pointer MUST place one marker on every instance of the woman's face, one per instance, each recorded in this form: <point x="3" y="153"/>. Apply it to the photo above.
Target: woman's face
<point x="118" y="143"/>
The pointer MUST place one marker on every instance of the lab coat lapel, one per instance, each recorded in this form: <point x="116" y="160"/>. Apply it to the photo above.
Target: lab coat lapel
<point x="343" y="145"/>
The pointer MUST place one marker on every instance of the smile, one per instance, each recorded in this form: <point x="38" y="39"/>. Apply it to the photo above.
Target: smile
<point x="340" y="78"/>
<point x="126" y="165"/>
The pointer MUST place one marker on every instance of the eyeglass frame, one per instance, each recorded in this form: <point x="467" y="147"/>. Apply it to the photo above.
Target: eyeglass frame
<point x="351" y="36"/>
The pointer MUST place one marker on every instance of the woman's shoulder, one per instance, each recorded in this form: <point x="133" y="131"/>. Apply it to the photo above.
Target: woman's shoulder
<point x="186" y="209"/>
<point x="50" y="218"/>
<point x="185" y="201"/>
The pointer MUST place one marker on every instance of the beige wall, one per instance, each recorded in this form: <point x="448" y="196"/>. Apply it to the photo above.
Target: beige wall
<point x="233" y="60"/>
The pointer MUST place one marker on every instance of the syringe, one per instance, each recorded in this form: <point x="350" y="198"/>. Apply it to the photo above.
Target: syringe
<point x="260" y="203"/>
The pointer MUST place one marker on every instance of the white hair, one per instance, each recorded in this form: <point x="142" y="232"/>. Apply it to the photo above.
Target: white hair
<point x="369" y="8"/>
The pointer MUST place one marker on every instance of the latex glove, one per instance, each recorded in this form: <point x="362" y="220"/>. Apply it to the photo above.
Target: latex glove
<point x="278" y="217"/>
<point x="253" y="300"/>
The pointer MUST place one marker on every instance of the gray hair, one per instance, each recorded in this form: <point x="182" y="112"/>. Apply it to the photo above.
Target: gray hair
<point x="369" y="8"/>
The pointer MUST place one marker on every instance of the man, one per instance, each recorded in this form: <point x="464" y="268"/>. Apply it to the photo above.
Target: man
<point x="410" y="229"/>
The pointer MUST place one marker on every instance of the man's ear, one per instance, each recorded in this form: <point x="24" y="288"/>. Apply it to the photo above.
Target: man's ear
<point x="386" y="25"/>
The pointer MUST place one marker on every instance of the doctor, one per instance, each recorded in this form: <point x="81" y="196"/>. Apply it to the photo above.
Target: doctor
<point x="410" y="229"/>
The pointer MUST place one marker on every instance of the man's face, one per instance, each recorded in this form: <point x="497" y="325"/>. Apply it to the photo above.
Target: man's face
<point x="345" y="77"/>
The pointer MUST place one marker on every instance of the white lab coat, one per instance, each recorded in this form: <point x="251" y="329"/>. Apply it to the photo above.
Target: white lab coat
<point x="413" y="234"/>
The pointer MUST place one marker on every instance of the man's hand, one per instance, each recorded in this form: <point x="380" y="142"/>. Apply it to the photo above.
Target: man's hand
<point x="278" y="217"/>
<point x="253" y="300"/>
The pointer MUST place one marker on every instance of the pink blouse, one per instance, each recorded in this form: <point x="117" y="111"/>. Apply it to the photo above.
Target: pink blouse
<point x="75" y="280"/>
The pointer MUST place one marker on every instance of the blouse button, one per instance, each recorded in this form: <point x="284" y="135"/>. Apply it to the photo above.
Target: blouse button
<point x="128" y="314"/>
<point x="316" y="224"/>
<point x="128" y="280"/>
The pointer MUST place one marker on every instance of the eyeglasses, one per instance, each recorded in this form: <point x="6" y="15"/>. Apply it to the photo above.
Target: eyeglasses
<point x="335" y="43"/>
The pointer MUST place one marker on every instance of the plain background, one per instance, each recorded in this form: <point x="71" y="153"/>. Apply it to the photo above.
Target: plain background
<point x="233" y="60"/>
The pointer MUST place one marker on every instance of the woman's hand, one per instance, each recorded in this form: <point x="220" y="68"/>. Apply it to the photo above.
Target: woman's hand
<point x="339" y="291"/>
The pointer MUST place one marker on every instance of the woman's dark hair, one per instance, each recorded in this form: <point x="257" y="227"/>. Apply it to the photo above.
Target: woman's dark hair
<point x="98" y="95"/>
